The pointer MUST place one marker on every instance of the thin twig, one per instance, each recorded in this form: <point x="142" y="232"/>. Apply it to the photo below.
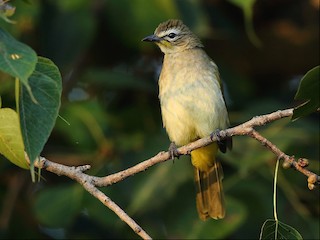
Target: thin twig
<point x="115" y="208"/>
<point x="87" y="181"/>
<point x="281" y="155"/>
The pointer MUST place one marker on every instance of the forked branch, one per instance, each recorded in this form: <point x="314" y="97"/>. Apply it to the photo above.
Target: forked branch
<point x="91" y="183"/>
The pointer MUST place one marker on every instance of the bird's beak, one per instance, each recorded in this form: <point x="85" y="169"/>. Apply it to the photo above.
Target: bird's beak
<point x="151" y="38"/>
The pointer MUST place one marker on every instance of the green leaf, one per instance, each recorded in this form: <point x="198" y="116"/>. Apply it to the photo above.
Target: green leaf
<point x="16" y="58"/>
<point x="57" y="207"/>
<point x="309" y="92"/>
<point x="38" y="119"/>
<point x="11" y="144"/>
<point x="272" y="229"/>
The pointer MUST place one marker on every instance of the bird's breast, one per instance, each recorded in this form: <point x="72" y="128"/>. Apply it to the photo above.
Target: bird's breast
<point x="190" y="97"/>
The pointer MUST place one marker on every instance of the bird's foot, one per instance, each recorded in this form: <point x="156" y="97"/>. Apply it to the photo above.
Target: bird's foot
<point x="173" y="151"/>
<point x="222" y="143"/>
<point x="216" y="134"/>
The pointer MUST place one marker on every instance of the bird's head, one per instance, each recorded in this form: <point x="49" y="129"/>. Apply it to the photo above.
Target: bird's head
<point x="173" y="36"/>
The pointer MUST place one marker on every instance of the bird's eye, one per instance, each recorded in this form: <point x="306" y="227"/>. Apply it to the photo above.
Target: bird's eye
<point x="172" y="35"/>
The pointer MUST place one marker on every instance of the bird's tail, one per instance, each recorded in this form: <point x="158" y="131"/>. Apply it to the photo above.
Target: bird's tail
<point x="210" y="196"/>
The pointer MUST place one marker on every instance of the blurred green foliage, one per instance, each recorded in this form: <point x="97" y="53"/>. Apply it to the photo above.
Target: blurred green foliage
<point x="112" y="118"/>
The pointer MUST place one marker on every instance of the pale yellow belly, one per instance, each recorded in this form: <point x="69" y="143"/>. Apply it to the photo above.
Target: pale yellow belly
<point x="192" y="114"/>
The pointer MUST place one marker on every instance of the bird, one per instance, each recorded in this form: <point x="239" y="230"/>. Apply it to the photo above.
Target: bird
<point x="192" y="107"/>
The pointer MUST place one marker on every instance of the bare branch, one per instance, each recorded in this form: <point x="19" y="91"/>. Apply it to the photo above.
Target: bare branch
<point x="242" y="129"/>
<point x="87" y="181"/>
<point x="90" y="183"/>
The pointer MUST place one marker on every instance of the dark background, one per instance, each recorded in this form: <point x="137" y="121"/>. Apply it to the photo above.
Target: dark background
<point x="112" y="118"/>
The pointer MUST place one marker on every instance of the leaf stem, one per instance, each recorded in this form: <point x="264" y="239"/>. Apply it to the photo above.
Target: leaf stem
<point x="275" y="191"/>
<point x="275" y="198"/>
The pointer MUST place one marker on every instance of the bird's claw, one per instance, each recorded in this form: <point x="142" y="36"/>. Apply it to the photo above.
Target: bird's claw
<point x="223" y="144"/>
<point x="173" y="151"/>
<point x="216" y="134"/>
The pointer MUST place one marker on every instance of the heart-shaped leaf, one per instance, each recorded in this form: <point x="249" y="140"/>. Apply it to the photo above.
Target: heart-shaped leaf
<point x="273" y="230"/>
<point x="38" y="119"/>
